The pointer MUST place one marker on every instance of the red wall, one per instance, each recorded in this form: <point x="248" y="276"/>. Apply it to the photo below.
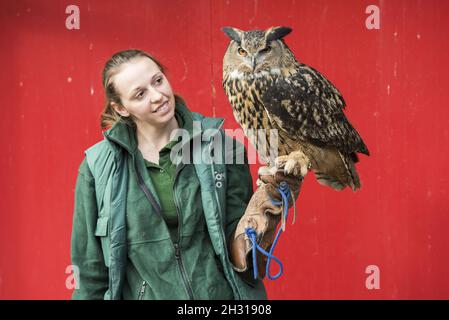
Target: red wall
<point x="394" y="81"/>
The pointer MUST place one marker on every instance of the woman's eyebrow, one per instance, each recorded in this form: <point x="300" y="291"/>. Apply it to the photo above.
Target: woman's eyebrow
<point x="140" y="87"/>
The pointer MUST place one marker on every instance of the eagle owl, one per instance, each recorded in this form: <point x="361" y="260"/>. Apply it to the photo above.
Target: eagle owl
<point x="269" y="89"/>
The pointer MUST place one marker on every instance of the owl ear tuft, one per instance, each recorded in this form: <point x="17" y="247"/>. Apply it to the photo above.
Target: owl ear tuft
<point x="276" y="33"/>
<point x="233" y="33"/>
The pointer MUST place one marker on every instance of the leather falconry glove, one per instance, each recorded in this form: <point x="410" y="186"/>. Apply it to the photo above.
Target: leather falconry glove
<point x="263" y="216"/>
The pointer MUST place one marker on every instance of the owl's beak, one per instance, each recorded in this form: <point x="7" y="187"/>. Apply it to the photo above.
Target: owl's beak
<point x="253" y="63"/>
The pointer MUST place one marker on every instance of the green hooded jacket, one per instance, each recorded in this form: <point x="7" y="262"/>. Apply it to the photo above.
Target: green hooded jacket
<point x="120" y="241"/>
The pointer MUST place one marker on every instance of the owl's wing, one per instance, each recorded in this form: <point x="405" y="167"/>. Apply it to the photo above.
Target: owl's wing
<point x="307" y="106"/>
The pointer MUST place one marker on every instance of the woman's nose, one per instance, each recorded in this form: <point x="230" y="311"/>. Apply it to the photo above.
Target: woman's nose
<point x="155" y="96"/>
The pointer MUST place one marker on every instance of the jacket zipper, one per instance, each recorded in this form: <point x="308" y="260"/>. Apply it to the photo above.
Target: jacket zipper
<point x="177" y="245"/>
<point x="142" y="290"/>
<point x="183" y="271"/>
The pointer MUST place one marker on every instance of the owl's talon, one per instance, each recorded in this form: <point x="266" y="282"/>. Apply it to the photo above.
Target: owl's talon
<point x="296" y="163"/>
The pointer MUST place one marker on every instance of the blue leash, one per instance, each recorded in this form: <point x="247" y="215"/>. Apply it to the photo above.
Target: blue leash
<point x="285" y="192"/>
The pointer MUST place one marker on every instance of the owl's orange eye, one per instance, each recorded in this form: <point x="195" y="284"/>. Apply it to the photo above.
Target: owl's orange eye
<point x="242" y="52"/>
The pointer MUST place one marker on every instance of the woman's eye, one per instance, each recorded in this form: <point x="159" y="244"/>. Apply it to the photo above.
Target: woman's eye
<point x="242" y="52"/>
<point x="140" y="94"/>
<point x="158" y="80"/>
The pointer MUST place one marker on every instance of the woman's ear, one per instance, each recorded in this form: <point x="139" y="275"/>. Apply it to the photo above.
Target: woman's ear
<point x="121" y="110"/>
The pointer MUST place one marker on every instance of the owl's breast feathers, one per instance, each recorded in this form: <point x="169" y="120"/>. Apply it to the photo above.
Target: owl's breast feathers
<point x="244" y="92"/>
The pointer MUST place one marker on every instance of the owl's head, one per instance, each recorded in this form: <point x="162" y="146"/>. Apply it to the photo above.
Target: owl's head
<point x="253" y="51"/>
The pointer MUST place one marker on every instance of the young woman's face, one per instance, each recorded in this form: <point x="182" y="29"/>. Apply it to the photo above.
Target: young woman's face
<point x="145" y="92"/>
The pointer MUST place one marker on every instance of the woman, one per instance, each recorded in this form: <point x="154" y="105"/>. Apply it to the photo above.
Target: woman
<point x="145" y="227"/>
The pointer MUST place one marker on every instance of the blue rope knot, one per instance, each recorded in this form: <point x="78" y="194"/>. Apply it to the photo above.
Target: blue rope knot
<point x="285" y="193"/>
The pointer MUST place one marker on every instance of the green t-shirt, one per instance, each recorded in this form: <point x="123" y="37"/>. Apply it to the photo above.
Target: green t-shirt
<point x="163" y="177"/>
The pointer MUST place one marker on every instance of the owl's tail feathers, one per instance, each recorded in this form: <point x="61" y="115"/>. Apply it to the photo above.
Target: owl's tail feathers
<point x="329" y="181"/>
<point x="354" y="180"/>
<point x="339" y="180"/>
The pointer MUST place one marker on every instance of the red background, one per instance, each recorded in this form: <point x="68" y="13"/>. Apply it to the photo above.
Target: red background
<point x="394" y="81"/>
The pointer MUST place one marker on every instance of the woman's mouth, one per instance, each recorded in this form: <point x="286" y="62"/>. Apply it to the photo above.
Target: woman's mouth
<point x="162" y="108"/>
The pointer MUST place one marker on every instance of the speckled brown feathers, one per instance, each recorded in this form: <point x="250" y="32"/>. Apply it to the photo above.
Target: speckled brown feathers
<point x="269" y="89"/>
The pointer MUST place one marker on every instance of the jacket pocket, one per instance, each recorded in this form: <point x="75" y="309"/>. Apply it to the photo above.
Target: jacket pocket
<point x="101" y="230"/>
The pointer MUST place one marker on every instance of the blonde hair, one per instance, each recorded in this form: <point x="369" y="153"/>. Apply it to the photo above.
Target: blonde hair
<point x="109" y="116"/>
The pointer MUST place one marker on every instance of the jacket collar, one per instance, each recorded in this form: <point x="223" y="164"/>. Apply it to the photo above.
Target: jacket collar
<point x="125" y="135"/>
